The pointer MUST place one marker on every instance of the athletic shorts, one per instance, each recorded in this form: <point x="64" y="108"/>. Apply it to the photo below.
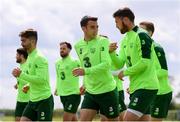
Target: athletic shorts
<point x="41" y="110"/>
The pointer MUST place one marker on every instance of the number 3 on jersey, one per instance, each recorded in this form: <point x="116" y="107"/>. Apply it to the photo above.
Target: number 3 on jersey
<point x="87" y="62"/>
<point x="62" y="75"/>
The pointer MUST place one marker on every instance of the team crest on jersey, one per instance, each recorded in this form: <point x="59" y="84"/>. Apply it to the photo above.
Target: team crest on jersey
<point x="92" y="50"/>
<point x="102" y="48"/>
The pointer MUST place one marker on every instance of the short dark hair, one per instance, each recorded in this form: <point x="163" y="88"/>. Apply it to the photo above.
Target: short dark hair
<point x="67" y="44"/>
<point x="23" y="52"/>
<point x="125" y="12"/>
<point x="29" y="33"/>
<point x="85" y="19"/>
<point x="149" y="26"/>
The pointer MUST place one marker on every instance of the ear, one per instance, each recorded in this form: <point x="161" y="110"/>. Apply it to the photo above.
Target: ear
<point x="83" y="28"/>
<point x="125" y="20"/>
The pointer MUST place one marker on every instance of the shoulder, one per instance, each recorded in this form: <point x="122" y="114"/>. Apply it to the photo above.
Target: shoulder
<point x="58" y="61"/>
<point x="40" y="58"/>
<point x="79" y="43"/>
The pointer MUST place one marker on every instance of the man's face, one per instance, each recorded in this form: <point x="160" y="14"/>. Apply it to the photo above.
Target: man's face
<point x="64" y="50"/>
<point x="121" y="25"/>
<point x="26" y="43"/>
<point x="91" y="29"/>
<point x="18" y="58"/>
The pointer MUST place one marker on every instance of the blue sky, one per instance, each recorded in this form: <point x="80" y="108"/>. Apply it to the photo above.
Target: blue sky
<point x="58" y="20"/>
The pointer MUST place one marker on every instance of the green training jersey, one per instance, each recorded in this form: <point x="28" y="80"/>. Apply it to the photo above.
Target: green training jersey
<point x="162" y="70"/>
<point x="66" y="83"/>
<point x="95" y="59"/>
<point x="37" y="76"/>
<point x="137" y="52"/>
<point x="22" y="97"/>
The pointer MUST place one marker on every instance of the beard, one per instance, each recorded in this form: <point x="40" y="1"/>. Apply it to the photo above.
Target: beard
<point x="18" y="60"/>
<point x="124" y="29"/>
<point x="63" y="55"/>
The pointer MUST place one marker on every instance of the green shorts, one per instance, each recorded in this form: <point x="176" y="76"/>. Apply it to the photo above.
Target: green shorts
<point x="41" y="110"/>
<point x="107" y="103"/>
<point x="70" y="102"/>
<point x="141" y="100"/>
<point x="20" y="106"/>
<point x="122" y="106"/>
<point x="160" y="105"/>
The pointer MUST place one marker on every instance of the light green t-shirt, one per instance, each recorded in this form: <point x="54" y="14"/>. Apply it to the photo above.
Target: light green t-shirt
<point x="95" y="59"/>
<point x="66" y="83"/>
<point x="22" y="97"/>
<point x="37" y="76"/>
<point x="137" y="52"/>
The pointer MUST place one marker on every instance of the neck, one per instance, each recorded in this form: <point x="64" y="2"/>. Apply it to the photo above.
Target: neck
<point x="30" y="50"/>
<point x="131" y="26"/>
<point x="88" y="38"/>
<point x="65" y="57"/>
<point x="23" y="61"/>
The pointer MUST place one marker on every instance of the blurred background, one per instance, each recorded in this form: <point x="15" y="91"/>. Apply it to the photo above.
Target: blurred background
<point x="58" y="20"/>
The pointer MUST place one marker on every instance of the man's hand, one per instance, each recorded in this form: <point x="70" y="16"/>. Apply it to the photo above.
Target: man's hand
<point x="25" y="88"/>
<point x="82" y="90"/>
<point x="16" y="86"/>
<point x="16" y="72"/>
<point x="121" y="75"/>
<point x="55" y="92"/>
<point x="112" y="47"/>
<point x="78" y="72"/>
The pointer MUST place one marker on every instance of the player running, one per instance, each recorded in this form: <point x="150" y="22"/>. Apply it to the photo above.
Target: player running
<point x="67" y="86"/>
<point x="22" y="86"/>
<point x="160" y="105"/>
<point x="136" y="51"/>
<point x="101" y="92"/>
<point x="40" y="106"/>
